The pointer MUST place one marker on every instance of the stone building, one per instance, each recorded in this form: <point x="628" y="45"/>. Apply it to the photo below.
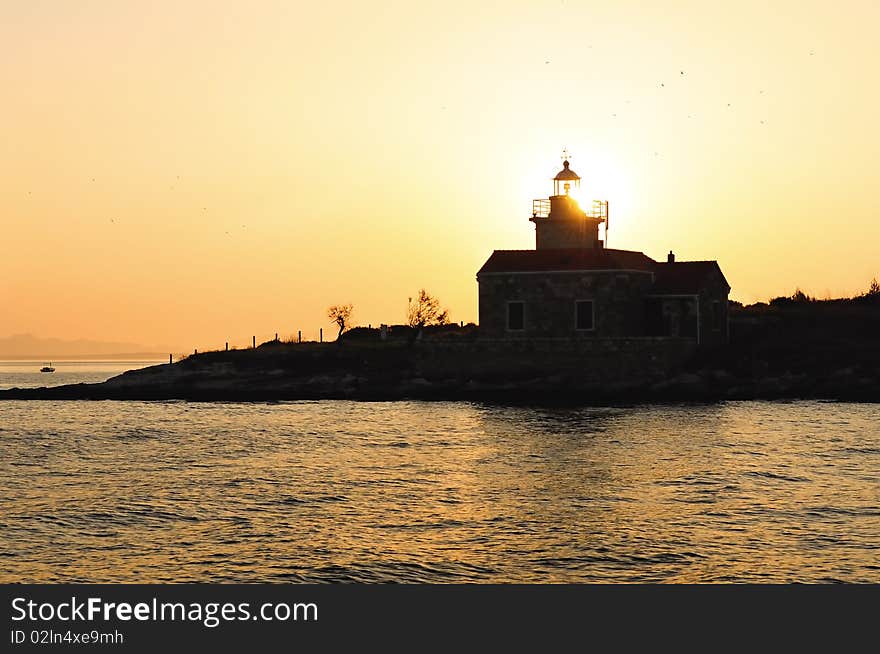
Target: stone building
<point x="572" y="286"/>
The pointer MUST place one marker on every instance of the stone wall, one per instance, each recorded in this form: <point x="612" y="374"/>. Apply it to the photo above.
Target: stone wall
<point x="712" y="332"/>
<point x="618" y="297"/>
<point x="673" y="316"/>
<point x="554" y="233"/>
<point x="596" y="361"/>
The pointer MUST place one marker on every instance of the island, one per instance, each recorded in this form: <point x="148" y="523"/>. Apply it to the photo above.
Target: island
<point x="793" y="347"/>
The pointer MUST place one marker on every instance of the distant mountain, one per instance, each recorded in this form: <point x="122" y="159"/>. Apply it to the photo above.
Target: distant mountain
<point x="20" y="346"/>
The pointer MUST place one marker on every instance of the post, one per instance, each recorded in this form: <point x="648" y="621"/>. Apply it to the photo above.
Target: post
<point x="299" y="336"/>
<point x="276" y="337"/>
<point x="254" y="339"/>
<point x="607" y="222"/>
<point x="169" y="359"/>
<point x="227" y="346"/>
<point x="321" y="335"/>
<point x="195" y="351"/>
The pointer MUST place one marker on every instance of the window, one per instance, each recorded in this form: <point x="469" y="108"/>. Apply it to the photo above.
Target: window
<point x="716" y="315"/>
<point x="515" y="316"/>
<point x="583" y="315"/>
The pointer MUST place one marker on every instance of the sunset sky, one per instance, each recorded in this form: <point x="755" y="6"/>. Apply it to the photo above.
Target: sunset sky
<point x="188" y="173"/>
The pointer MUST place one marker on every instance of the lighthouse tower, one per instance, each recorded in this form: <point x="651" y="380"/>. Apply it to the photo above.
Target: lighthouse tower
<point x="561" y="223"/>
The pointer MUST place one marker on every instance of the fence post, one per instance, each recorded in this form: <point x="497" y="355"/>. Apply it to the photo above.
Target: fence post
<point x="299" y="336"/>
<point x="321" y="335"/>
<point x="227" y="346"/>
<point x="254" y="340"/>
<point x="169" y="359"/>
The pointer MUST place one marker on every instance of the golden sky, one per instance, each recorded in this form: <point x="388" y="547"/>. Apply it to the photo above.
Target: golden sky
<point x="194" y="172"/>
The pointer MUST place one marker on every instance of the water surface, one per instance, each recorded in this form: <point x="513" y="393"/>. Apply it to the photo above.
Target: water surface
<point x="438" y="492"/>
<point x="26" y="373"/>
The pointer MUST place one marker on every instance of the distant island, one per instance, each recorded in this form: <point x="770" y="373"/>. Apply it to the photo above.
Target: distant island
<point x="28" y="346"/>
<point x="792" y="347"/>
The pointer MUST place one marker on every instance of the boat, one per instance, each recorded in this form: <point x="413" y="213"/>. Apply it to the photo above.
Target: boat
<point x="47" y="368"/>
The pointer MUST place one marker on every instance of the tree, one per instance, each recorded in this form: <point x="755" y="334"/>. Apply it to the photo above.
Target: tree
<point x="800" y="297"/>
<point x="425" y="311"/>
<point x="874" y="290"/>
<point x="341" y="315"/>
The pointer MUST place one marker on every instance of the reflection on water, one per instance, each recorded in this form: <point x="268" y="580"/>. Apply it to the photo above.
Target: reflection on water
<point x="439" y="492"/>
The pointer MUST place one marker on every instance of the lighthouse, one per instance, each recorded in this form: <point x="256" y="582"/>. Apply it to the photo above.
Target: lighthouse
<point x="561" y="222"/>
<point x="573" y="287"/>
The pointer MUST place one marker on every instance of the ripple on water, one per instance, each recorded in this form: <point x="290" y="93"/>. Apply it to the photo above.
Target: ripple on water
<point x="415" y="492"/>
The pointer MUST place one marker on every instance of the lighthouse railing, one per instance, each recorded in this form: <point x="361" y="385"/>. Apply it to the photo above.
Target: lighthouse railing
<point x="540" y="208"/>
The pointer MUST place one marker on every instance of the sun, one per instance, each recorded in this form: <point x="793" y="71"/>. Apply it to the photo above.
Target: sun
<point x="578" y="195"/>
<point x="604" y="179"/>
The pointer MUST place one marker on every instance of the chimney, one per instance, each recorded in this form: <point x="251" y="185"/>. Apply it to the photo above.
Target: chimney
<point x="670" y="258"/>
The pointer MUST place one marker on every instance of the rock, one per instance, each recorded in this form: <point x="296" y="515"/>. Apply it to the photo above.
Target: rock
<point x="843" y="373"/>
<point x="687" y="379"/>
<point x="321" y="380"/>
<point x="771" y="387"/>
<point x="737" y="393"/>
<point x="721" y="377"/>
<point x="661" y="386"/>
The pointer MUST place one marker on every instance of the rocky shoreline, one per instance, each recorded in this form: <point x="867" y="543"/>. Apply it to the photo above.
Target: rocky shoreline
<point x="825" y="350"/>
<point x="219" y="382"/>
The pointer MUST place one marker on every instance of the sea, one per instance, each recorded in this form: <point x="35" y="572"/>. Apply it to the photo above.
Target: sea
<point x="437" y="492"/>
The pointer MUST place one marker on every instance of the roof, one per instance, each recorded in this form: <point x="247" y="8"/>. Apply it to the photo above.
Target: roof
<point x="679" y="278"/>
<point x="566" y="173"/>
<point x="568" y="260"/>
<point x="684" y="277"/>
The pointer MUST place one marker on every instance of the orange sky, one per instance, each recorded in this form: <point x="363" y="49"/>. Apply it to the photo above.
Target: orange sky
<point x="192" y="172"/>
